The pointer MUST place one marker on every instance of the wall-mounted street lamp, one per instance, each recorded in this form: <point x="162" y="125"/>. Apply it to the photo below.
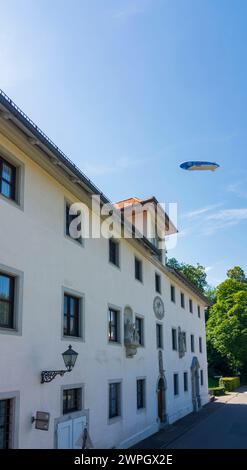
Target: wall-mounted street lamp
<point x="69" y="358"/>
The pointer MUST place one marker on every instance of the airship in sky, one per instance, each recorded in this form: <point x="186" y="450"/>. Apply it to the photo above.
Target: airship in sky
<point x="199" y="166"/>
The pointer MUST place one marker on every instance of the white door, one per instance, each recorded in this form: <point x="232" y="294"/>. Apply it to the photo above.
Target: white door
<point x="70" y="433"/>
<point x="78" y="427"/>
<point x="64" y="435"/>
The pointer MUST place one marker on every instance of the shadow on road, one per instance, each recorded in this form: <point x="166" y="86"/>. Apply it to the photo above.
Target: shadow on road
<point x="220" y="424"/>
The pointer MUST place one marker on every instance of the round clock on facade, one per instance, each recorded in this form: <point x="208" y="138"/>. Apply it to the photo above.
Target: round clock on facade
<point x="158" y="306"/>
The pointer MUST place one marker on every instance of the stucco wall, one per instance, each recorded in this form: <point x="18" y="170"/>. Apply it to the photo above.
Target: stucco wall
<point x="32" y="241"/>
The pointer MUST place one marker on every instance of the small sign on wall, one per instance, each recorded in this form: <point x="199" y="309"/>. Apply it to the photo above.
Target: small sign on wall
<point x="42" y="420"/>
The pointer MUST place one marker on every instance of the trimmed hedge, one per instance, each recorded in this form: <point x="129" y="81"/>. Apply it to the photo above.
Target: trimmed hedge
<point x="217" y="391"/>
<point x="229" y="383"/>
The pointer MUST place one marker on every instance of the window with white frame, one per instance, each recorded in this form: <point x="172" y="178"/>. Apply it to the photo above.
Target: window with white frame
<point x="6" y="421"/>
<point x="201" y="374"/>
<point x="140" y="393"/>
<point x="159" y="335"/>
<point x="7" y="299"/>
<point x="185" y="381"/>
<point x="192" y="343"/>
<point x="174" y="339"/>
<point x="175" y="384"/>
<point x="11" y="299"/>
<point x="140" y="328"/>
<point x="72" y="400"/>
<point x="138" y="269"/>
<point x="114" y="400"/>
<point x="72" y="231"/>
<point x="7" y="179"/>
<point x="173" y="294"/>
<point x="158" y="283"/>
<point x="182" y="300"/>
<point x="72" y="315"/>
<point x="114" y="325"/>
<point x="114" y="252"/>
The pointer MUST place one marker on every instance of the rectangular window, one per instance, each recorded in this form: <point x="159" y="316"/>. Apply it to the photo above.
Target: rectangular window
<point x="174" y="339"/>
<point x="159" y="335"/>
<point x="114" y="400"/>
<point x="200" y="345"/>
<point x="201" y="374"/>
<point x="138" y="269"/>
<point x="114" y="252"/>
<point x="173" y="294"/>
<point x="182" y="300"/>
<point x="192" y="343"/>
<point x="158" y="283"/>
<point x="72" y="231"/>
<point x="191" y="305"/>
<point x="185" y="381"/>
<point x="71" y="323"/>
<point x="7" y="179"/>
<point x="140" y="329"/>
<point x="113" y="325"/>
<point x="140" y="393"/>
<point x="5" y="423"/>
<point x="7" y="292"/>
<point x="71" y="400"/>
<point x="175" y="384"/>
<point x="199" y="311"/>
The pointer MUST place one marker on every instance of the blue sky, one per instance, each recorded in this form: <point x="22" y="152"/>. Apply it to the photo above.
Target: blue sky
<point x="129" y="89"/>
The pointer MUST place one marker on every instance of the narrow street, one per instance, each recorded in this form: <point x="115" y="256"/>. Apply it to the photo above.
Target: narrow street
<point x="219" y="425"/>
<point x="224" y="429"/>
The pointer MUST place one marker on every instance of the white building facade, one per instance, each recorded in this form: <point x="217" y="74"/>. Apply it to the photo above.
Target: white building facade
<point x="138" y="327"/>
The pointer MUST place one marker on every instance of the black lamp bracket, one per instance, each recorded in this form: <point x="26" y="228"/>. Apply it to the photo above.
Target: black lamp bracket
<point x="49" y="375"/>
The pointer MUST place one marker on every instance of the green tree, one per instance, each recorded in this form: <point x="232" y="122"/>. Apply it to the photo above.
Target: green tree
<point x="227" y="322"/>
<point x="195" y="274"/>
<point x="236" y="273"/>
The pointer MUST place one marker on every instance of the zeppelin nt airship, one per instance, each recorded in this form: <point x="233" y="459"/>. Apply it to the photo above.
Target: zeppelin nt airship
<point x="199" y="166"/>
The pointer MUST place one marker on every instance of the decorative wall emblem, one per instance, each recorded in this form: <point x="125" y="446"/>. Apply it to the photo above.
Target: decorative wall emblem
<point x="131" y="335"/>
<point x="181" y="342"/>
<point x="161" y="367"/>
<point x="158" y="306"/>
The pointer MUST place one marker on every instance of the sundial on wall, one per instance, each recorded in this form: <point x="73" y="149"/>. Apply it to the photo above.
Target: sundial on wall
<point x="158" y="306"/>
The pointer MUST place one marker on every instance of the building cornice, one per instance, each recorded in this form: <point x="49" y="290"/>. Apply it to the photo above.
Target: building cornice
<point x="9" y="111"/>
<point x="177" y="276"/>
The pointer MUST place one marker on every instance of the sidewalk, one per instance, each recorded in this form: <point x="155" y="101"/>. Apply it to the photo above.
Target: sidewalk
<point x="169" y="434"/>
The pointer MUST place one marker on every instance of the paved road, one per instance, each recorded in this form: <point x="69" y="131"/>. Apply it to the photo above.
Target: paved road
<point x="225" y="429"/>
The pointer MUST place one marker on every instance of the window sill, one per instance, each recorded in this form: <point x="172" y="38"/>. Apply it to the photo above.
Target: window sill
<point x="114" y="343"/>
<point x="114" y="420"/>
<point x="12" y="202"/>
<point x="73" y="338"/>
<point x="141" y="411"/>
<point x="114" y="265"/>
<point x="71" y="414"/>
<point x="9" y="331"/>
<point x="139" y="280"/>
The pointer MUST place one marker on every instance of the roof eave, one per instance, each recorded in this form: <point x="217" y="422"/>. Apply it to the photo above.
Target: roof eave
<point x="180" y="277"/>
